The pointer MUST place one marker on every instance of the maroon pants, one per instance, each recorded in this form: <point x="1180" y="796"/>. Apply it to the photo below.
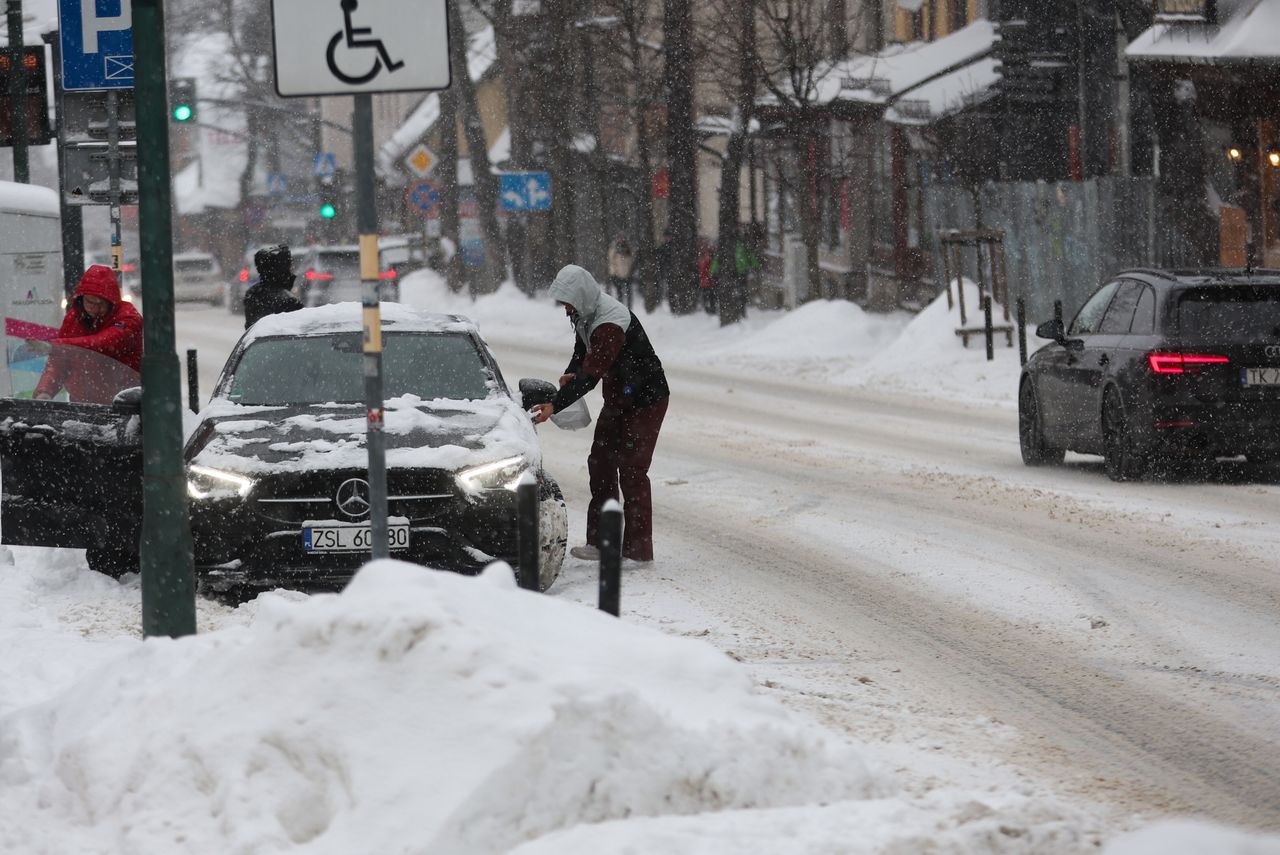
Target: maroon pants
<point x="620" y="457"/>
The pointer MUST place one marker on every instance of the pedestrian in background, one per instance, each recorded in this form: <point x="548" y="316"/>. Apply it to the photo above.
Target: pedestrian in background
<point x="706" y="279"/>
<point x="272" y="294"/>
<point x="611" y="345"/>
<point x="621" y="262"/>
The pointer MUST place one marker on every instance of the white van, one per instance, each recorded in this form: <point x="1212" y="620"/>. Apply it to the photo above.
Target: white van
<point x="32" y="292"/>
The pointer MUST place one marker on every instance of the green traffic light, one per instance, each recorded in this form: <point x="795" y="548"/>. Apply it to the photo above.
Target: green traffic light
<point x="182" y="112"/>
<point x="328" y="211"/>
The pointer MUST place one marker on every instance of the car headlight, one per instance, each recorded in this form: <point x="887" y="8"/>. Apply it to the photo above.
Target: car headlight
<point x="501" y="474"/>
<point x="206" y="483"/>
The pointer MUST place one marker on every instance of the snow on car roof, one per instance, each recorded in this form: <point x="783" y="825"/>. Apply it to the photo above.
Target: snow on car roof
<point x="346" y="317"/>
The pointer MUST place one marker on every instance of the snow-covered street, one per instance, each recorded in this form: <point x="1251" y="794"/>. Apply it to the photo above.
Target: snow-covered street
<point x="1023" y="660"/>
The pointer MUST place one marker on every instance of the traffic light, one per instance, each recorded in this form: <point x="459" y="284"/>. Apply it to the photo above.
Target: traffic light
<point x="182" y="99"/>
<point x="328" y="211"/>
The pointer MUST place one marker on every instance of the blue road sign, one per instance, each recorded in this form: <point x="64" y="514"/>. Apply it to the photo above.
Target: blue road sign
<point x="97" y="44"/>
<point x="324" y="165"/>
<point x="424" y="197"/>
<point x="525" y="191"/>
<point x="277" y="184"/>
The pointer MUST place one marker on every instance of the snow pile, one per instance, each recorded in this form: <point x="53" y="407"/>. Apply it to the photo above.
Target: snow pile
<point x="928" y="359"/>
<point x="416" y="709"/>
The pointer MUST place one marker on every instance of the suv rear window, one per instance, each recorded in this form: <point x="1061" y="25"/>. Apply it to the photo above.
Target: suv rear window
<point x="1231" y="315"/>
<point x="193" y="265"/>
<point x="342" y="265"/>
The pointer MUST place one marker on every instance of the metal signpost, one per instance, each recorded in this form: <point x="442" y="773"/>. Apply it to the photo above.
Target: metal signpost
<point x="356" y="47"/>
<point x="99" y="138"/>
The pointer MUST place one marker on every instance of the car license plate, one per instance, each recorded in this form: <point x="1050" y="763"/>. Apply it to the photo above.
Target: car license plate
<point x="1260" y="376"/>
<point x="350" y="537"/>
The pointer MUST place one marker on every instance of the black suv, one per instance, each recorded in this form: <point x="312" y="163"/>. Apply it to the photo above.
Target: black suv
<point x="1169" y="367"/>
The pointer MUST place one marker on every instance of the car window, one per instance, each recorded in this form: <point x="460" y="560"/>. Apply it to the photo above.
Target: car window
<point x="1090" y="314"/>
<point x="1144" y="316"/>
<point x="321" y="369"/>
<point x="342" y="264"/>
<point x="1229" y="315"/>
<point x="1120" y="313"/>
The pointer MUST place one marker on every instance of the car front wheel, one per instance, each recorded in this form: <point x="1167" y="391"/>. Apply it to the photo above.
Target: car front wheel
<point x="1123" y="461"/>
<point x="1036" y="451"/>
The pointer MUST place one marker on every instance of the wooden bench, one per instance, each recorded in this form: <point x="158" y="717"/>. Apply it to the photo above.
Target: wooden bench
<point x="996" y="329"/>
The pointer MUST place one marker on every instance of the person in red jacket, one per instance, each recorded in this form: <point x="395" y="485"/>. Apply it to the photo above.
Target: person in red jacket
<point x="97" y="322"/>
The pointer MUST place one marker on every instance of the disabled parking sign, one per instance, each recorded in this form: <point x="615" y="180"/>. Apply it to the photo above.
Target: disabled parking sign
<point x="344" y="47"/>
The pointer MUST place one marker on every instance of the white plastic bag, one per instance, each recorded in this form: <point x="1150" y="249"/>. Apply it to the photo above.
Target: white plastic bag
<point x="576" y="416"/>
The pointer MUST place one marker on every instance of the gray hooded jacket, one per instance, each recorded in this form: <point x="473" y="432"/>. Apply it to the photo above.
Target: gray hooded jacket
<point x="578" y="288"/>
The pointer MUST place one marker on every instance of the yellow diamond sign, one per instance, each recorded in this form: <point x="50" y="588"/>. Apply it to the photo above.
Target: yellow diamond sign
<point x="420" y="161"/>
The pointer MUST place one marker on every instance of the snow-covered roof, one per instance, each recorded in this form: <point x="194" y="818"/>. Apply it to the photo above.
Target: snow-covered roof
<point x="881" y="78"/>
<point x="28" y="198"/>
<point x="946" y="95"/>
<point x="1246" y="32"/>
<point x="346" y="317"/>
<point x="482" y="52"/>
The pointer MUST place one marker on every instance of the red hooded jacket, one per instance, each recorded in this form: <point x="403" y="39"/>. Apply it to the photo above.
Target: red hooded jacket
<point x="117" y="335"/>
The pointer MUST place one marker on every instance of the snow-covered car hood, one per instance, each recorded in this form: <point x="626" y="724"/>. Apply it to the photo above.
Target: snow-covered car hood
<point x="441" y="434"/>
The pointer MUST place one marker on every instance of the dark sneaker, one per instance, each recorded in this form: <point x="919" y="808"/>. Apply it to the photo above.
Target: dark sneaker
<point x="585" y="552"/>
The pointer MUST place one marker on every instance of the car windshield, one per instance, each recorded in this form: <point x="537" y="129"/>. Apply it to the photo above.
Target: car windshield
<point x="1229" y="315"/>
<point x="344" y="264"/>
<point x="327" y="368"/>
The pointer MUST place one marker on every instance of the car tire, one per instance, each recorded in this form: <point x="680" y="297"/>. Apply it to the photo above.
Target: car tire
<point x="112" y="562"/>
<point x="1036" y="451"/>
<point x="553" y="532"/>
<point x="1120" y="456"/>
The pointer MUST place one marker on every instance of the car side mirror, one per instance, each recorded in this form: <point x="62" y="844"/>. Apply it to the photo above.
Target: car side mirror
<point x="128" y="400"/>
<point x="534" y="391"/>
<point x="1051" y="330"/>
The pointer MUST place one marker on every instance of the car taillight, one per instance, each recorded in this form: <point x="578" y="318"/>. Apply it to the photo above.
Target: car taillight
<point x="244" y="274"/>
<point x="1182" y="363"/>
<point x="313" y="275"/>
<point x="387" y="274"/>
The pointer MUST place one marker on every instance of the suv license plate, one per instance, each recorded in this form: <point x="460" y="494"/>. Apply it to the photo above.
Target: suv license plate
<point x="351" y="538"/>
<point x="1260" y="376"/>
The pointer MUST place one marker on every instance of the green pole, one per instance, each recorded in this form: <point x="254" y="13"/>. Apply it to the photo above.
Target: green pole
<point x="168" y="580"/>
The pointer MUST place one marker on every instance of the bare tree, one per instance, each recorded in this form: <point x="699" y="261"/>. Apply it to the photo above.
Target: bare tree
<point x="448" y="183"/>
<point x="483" y="181"/>
<point x="678" y="79"/>
<point x="633" y="80"/>
<point x="795" y="55"/>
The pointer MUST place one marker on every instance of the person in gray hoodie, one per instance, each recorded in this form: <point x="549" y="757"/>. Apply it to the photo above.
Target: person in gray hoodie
<point x="611" y="346"/>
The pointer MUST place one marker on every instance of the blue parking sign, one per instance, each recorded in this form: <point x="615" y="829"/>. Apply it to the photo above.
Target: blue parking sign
<point x="97" y="44"/>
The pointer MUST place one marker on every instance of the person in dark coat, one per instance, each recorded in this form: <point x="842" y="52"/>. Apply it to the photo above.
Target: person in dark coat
<point x="611" y="345"/>
<point x="99" y="322"/>
<point x="271" y="295"/>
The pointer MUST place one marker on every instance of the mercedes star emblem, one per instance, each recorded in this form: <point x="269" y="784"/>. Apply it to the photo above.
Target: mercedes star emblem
<point x="353" y="497"/>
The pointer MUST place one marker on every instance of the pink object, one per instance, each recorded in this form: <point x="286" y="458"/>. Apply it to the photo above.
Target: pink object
<point x="26" y="329"/>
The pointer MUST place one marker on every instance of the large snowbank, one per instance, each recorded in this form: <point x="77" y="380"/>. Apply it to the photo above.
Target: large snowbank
<point x="415" y="712"/>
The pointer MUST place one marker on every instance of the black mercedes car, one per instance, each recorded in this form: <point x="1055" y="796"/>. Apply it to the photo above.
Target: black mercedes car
<point x="1174" y="368"/>
<point x="277" y="464"/>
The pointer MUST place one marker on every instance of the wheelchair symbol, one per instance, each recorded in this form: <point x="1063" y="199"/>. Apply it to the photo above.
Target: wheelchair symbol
<point x="353" y="38"/>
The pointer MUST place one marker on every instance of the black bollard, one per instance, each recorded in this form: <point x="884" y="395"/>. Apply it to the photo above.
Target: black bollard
<point x="1022" y="331"/>
<point x="527" y="546"/>
<point x="193" y="382"/>
<point x="987" y="328"/>
<point x="611" y="557"/>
